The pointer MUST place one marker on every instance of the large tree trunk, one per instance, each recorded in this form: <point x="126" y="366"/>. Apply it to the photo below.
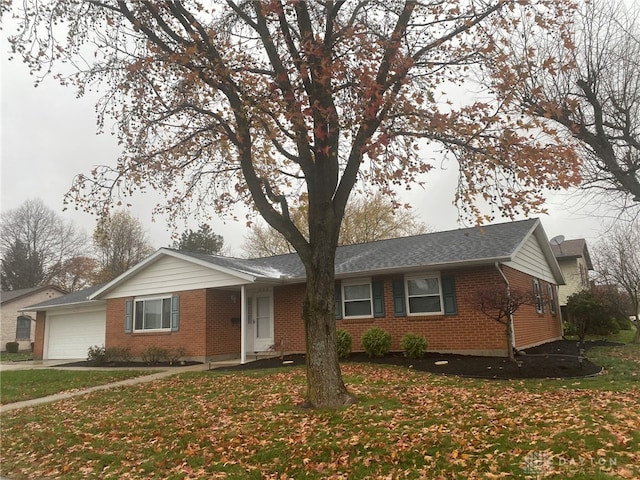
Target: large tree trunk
<point x="325" y="388"/>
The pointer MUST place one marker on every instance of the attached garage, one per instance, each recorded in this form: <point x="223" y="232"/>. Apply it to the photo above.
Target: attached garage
<point x="68" y="335"/>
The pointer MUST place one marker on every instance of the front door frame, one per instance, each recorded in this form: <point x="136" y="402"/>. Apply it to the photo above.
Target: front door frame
<point x="249" y="294"/>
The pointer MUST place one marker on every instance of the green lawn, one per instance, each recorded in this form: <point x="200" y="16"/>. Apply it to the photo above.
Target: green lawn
<point x="407" y="424"/>
<point x="18" y="385"/>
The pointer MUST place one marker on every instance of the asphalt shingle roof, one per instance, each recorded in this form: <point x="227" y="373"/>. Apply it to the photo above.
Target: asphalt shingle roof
<point x="572" y="249"/>
<point x="476" y="244"/>
<point x="498" y="242"/>
<point x="80" y="296"/>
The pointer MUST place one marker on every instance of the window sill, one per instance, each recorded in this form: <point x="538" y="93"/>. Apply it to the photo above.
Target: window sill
<point x="355" y="320"/>
<point x="152" y="332"/>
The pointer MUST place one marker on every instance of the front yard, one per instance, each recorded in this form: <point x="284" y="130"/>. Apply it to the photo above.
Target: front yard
<point x="19" y="385"/>
<point x="407" y="424"/>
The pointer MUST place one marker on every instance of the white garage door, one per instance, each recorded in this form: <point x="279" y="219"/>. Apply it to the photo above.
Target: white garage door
<point x="70" y="335"/>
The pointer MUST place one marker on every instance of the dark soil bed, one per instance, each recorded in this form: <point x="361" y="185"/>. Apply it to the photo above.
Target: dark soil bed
<point x="127" y="364"/>
<point x="560" y="359"/>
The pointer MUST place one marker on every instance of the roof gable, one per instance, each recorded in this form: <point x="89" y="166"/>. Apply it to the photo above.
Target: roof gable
<point x="174" y="270"/>
<point x="7" y="296"/>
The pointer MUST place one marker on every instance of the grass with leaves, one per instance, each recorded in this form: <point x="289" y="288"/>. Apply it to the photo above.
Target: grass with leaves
<point x="19" y="385"/>
<point x="407" y="424"/>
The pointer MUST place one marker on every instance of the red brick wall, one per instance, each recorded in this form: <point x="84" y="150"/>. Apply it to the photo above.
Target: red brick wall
<point x="467" y="332"/>
<point x="223" y="334"/>
<point x="533" y="328"/>
<point x="191" y="335"/>
<point x="207" y="329"/>
<point x="288" y="325"/>
<point x="38" y="345"/>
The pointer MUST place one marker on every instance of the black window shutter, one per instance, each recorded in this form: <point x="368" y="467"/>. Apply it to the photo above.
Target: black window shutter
<point x="128" y="316"/>
<point x="449" y="295"/>
<point x="399" y="309"/>
<point x="338" y="302"/>
<point x="378" y="298"/>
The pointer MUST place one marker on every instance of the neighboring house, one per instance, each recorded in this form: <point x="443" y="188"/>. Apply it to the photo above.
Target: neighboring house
<point x="575" y="263"/>
<point x="216" y="307"/>
<point x="18" y="325"/>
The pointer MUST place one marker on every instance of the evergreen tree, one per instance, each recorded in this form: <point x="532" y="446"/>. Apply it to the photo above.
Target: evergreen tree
<point x="202" y="241"/>
<point x="20" y="268"/>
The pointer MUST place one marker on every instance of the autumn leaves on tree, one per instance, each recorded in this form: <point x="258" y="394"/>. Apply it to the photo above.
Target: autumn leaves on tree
<point x="272" y="102"/>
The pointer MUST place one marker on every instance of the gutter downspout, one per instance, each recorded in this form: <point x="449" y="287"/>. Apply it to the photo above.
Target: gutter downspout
<point x="243" y="324"/>
<point x="512" y="329"/>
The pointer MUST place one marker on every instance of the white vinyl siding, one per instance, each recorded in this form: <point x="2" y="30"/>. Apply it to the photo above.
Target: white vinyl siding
<point x="574" y="271"/>
<point x="173" y="274"/>
<point x="530" y="259"/>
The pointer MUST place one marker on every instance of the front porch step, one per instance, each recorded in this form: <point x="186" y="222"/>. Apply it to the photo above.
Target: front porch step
<point x="263" y="354"/>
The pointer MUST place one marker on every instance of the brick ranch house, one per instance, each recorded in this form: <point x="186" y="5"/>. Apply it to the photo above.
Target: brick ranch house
<point x="216" y="307"/>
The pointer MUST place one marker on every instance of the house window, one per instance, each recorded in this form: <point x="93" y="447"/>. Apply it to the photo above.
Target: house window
<point x="356" y="297"/>
<point x="153" y="314"/>
<point x="552" y="299"/>
<point x="424" y="295"/>
<point x="23" y="328"/>
<point x="537" y="296"/>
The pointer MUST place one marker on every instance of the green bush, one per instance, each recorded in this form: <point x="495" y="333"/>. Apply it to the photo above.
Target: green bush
<point x="590" y="314"/>
<point x="604" y="325"/>
<point x="97" y="355"/>
<point x="624" y="323"/>
<point x="154" y="355"/>
<point x="12" y="347"/>
<point x="413" y="345"/>
<point x="376" y="342"/>
<point x="344" y="343"/>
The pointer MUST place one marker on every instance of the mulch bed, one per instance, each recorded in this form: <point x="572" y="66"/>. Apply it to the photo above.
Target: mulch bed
<point x="560" y="359"/>
<point x="127" y="364"/>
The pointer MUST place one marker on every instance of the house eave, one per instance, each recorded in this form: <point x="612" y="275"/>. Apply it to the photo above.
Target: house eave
<point x="423" y="268"/>
<point x="375" y="272"/>
<point x="47" y="308"/>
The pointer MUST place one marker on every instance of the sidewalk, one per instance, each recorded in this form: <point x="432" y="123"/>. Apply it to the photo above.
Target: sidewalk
<point x="161" y="373"/>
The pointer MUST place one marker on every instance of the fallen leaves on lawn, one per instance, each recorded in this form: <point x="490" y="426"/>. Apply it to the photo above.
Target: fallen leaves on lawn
<point x="406" y="425"/>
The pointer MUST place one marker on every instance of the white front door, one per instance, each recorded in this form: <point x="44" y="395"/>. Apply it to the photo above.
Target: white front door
<point x="259" y="320"/>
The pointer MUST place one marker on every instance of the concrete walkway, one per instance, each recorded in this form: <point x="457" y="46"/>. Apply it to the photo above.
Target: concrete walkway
<point x="161" y="373"/>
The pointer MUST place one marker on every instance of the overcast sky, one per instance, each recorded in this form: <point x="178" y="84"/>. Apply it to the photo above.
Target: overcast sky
<point x="48" y="136"/>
